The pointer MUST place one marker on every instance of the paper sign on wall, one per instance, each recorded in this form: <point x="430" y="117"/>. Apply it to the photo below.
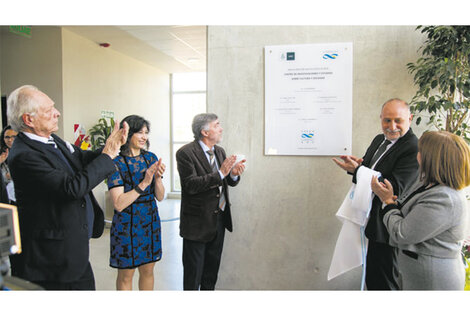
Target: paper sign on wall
<point x="308" y="99"/>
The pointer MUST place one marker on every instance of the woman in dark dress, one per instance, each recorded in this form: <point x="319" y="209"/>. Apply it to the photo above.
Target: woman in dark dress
<point x="135" y="231"/>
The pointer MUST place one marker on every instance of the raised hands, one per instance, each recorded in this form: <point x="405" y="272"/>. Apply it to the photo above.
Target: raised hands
<point x="149" y="174"/>
<point x="4" y="156"/>
<point x="238" y="168"/>
<point x="227" y="165"/>
<point x="349" y="163"/>
<point x="383" y="190"/>
<point x="117" y="138"/>
<point x="160" y="169"/>
<point x="155" y="170"/>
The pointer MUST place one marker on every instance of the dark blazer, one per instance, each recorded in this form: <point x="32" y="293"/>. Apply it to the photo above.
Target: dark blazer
<point x="400" y="166"/>
<point x="200" y="193"/>
<point x="51" y="206"/>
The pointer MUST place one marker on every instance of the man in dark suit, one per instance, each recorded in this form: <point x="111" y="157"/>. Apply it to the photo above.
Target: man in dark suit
<point x="53" y="181"/>
<point x="393" y="154"/>
<point x="205" y="174"/>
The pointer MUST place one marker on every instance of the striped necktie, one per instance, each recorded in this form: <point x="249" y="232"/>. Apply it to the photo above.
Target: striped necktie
<point x="214" y="169"/>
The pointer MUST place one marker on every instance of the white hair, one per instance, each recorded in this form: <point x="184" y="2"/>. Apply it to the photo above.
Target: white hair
<point x="21" y="102"/>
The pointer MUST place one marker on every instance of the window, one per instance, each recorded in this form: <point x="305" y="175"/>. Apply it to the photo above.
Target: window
<point x="188" y="98"/>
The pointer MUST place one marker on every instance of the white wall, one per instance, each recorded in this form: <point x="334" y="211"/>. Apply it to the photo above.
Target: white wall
<point x="284" y="208"/>
<point x="83" y="79"/>
<point x="33" y="61"/>
<point x="97" y="79"/>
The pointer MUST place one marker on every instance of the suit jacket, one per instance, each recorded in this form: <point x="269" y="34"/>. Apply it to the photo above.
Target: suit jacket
<point x="437" y="226"/>
<point x="400" y="166"/>
<point x="200" y="193"/>
<point x="52" y="207"/>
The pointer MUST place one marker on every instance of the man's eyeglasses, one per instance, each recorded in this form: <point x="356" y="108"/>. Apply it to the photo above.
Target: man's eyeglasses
<point x="9" y="137"/>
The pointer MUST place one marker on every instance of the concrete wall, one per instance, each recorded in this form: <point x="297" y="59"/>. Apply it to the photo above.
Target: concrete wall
<point x="285" y="227"/>
<point x="34" y="61"/>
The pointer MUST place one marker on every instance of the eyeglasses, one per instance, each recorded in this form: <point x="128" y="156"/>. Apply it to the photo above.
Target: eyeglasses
<point x="9" y="137"/>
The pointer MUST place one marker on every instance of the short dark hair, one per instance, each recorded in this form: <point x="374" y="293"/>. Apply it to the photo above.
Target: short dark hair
<point x="136" y="123"/>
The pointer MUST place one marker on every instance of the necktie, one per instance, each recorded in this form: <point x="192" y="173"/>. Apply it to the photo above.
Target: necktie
<point x="380" y="151"/>
<point x="51" y="141"/>
<point x="214" y="169"/>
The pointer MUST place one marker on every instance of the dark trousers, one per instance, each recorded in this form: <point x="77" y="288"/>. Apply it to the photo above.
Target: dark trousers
<point x="381" y="267"/>
<point x="17" y="264"/>
<point x="201" y="260"/>
<point x="86" y="282"/>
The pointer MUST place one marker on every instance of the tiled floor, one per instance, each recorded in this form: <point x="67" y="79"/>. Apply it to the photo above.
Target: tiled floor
<point x="168" y="271"/>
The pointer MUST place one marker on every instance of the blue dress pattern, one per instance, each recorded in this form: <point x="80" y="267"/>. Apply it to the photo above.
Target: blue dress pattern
<point x="136" y="230"/>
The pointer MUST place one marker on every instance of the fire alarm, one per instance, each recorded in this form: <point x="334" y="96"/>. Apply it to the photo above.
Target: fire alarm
<point x="104" y="44"/>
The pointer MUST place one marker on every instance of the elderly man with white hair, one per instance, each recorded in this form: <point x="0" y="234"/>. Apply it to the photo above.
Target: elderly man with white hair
<point x="53" y="182"/>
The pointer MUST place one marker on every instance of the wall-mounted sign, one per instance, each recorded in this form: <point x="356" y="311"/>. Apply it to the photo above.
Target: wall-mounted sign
<point x="25" y="31"/>
<point x="107" y="114"/>
<point x="308" y="99"/>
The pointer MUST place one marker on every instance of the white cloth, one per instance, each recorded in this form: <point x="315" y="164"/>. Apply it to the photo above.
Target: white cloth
<point x="11" y="191"/>
<point x="353" y="213"/>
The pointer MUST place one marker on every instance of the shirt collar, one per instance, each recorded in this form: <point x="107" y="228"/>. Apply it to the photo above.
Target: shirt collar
<point x="37" y="138"/>
<point x="204" y="147"/>
<point x="46" y="140"/>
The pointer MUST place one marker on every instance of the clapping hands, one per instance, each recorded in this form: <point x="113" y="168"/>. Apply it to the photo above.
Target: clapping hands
<point x="383" y="190"/>
<point x="160" y="169"/>
<point x="238" y="168"/>
<point x="117" y="138"/>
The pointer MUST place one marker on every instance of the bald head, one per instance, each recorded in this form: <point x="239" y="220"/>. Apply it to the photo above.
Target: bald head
<point x="396" y="118"/>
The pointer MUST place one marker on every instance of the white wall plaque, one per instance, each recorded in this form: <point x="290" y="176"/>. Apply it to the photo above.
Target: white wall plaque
<point x="308" y="99"/>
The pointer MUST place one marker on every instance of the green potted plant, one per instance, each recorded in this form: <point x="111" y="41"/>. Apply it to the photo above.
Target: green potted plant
<point x="442" y="75"/>
<point x="100" y="132"/>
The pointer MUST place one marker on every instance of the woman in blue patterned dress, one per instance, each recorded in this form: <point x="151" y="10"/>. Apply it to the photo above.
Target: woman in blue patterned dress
<point x="135" y="231"/>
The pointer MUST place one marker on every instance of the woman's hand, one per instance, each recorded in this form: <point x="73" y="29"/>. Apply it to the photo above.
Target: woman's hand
<point x="3" y="156"/>
<point x="149" y="174"/>
<point x="159" y="188"/>
<point x="160" y="169"/>
<point x="383" y="190"/>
